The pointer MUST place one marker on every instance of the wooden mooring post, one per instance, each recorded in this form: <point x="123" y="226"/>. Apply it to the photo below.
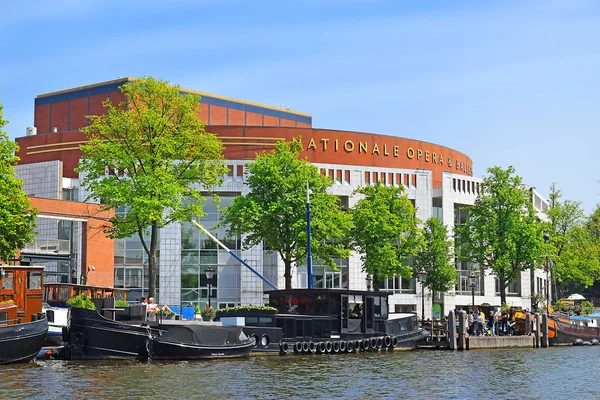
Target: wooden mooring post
<point x="537" y="330"/>
<point x="451" y="331"/>
<point x="545" y="341"/>
<point x="462" y="331"/>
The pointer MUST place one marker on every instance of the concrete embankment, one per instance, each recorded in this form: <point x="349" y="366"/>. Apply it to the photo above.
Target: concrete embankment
<point x="497" y="342"/>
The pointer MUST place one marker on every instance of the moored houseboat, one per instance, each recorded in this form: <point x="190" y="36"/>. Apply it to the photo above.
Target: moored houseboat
<point x="23" y="327"/>
<point x="327" y="321"/>
<point x="564" y="329"/>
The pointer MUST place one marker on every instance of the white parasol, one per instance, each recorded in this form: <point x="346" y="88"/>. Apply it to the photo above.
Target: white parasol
<point x="575" y="296"/>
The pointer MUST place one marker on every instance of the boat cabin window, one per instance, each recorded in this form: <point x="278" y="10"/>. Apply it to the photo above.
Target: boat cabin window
<point x="8" y="280"/>
<point x="355" y="305"/>
<point x="369" y="312"/>
<point x="3" y="317"/>
<point x="34" y="280"/>
<point x="377" y="311"/>
<point x="50" y="315"/>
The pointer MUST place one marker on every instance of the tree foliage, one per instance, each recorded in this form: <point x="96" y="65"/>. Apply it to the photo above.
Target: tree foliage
<point x="435" y="256"/>
<point x="151" y="156"/>
<point x="501" y="232"/>
<point x="573" y="252"/>
<point x="274" y="210"/>
<point x="17" y="219"/>
<point x="385" y="231"/>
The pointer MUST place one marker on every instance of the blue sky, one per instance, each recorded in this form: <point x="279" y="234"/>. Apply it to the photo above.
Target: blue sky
<point x="506" y="82"/>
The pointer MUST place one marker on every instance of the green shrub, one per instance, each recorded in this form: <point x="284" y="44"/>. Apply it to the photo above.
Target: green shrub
<point x="560" y="306"/>
<point x="121" y="304"/>
<point x="249" y="307"/>
<point x="165" y="313"/>
<point x="208" y="312"/>
<point x="81" y="301"/>
<point x="587" y="307"/>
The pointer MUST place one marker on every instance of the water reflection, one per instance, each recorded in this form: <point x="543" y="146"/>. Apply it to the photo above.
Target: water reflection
<point x="506" y="374"/>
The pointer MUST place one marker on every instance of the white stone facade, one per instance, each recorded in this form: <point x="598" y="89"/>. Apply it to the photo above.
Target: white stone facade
<point x="45" y="180"/>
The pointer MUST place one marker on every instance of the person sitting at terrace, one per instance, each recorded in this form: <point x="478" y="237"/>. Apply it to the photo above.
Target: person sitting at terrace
<point x="151" y="309"/>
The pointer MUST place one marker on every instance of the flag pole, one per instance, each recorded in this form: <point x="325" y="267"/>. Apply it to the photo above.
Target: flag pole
<point x="308" y="245"/>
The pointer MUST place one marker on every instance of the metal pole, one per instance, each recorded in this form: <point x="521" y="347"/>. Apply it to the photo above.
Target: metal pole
<point x="473" y="299"/>
<point x="422" y="302"/>
<point x="210" y="235"/>
<point x="209" y="287"/>
<point x="308" y="244"/>
<point x="547" y="288"/>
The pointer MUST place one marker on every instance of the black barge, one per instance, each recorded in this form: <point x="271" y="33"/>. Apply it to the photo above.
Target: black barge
<point x="327" y="321"/>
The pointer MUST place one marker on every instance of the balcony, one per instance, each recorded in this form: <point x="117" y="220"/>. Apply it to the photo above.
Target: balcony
<point x="47" y="247"/>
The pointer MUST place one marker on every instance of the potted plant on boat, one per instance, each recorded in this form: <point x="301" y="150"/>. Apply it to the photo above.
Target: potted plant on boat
<point x="246" y="311"/>
<point x="166" y="314"/>
<point x="121" y="314"/>
<point x="81" y="301"/>
<point x="208" y="313"/>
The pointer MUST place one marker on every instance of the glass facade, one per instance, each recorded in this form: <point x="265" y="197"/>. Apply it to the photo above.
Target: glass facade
<point x="324" y="276"/>
<point x="131" y="265"/>
<point x="199" y="252"/>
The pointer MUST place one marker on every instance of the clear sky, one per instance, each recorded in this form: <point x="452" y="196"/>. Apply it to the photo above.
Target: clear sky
<point x="505" y="82"/>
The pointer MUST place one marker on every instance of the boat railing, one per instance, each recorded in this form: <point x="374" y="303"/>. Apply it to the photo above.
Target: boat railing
<point x="10" y="321"/>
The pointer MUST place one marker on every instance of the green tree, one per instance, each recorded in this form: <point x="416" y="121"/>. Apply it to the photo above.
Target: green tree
<point x="17" y="219"/>
<point x="274" y="210"/>
<point x="570" y="244"/>
<point x="579" y="264"/>
<point x="150" y="156"/>
<point x="385" y="231"/>
<point x="436" y="257"/>
<point x="501" y="232"/>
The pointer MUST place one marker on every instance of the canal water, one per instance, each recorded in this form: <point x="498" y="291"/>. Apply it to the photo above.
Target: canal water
<point x="555" y="373"/>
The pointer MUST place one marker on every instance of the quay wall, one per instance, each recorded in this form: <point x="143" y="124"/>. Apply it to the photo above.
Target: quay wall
<point x="497" y="342"/>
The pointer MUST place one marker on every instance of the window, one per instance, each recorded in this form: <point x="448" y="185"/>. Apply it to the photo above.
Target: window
<point x="8" y="280"/>
<point x="71" y="194"/>
<point x="513" y="287"/>
<point x="34" y="280"/>
<point x="398" y="284"/>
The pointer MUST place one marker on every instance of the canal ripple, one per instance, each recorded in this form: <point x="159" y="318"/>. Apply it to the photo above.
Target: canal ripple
<point x="555" y="373"/>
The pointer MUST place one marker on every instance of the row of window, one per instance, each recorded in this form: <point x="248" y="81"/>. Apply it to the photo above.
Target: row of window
<point x="465" y="186"/>
<point x="391" y="179"/>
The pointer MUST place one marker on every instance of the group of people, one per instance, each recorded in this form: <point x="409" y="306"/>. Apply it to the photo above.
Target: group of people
<point x="495" y="324"/>
<point x="152" y="308"/>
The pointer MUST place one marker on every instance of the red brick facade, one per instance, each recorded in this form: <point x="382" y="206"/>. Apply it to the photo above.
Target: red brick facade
<point x="97" y="249"/>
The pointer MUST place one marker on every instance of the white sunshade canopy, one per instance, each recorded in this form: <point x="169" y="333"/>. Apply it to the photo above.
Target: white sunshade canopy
<point x="575" y="296"/>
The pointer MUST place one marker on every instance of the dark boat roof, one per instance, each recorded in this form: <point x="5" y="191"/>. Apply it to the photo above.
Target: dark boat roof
<point x="203" y="335"/>
<point x="330" y="292"/>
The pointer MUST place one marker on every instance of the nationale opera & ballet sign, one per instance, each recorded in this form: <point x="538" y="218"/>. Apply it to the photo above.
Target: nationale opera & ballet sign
<point x="387" y="150"/>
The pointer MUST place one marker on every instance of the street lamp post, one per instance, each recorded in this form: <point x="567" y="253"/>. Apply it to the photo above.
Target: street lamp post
<point x="209" y="275"/>
<point x="473" y="282"/>
<point x="422" y="278"/>
<point x="547" y="268"/>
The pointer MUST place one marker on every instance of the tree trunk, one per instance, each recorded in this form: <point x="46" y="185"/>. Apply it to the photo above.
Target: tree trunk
<point x="288" y="274"/>
<point x="152" y="264"/>
<point x="375" y="283"/>
<point x="502" y="290"/>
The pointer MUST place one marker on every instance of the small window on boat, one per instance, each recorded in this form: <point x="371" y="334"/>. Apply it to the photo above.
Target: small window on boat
<point x="252" y="320"/>
<point x="265" y="320"/>
<point x="8" y="281"/>
<point x="34" y="280"/>
<point x="50" y="315"/>
<point x="377" y="311"/>
<point x="403" y="326"/>
<point x="3" y="317"/>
